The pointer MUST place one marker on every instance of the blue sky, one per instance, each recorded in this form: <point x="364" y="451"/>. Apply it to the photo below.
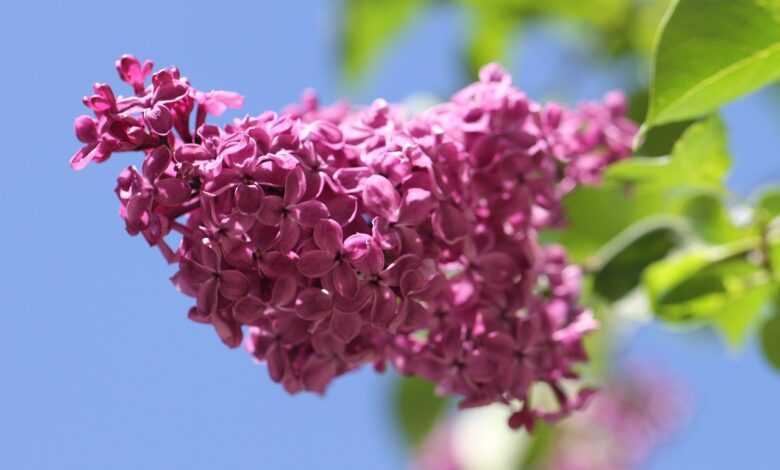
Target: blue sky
<point x="102" y="370"/>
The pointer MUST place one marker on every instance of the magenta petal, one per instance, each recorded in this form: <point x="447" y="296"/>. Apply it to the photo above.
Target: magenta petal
<point x="350" y="179"/>
<point x="86" y="129"/>
<point x="310" y="212"/>
<point x="249" y="199"/>
<point x="327" y="344"/>
<point x="415" y="314"/>
<point x="346" y="325"/>
<point x="326" y="133"/>
<point x="248" y="310"/>
<point x="284" y="291"/>
<point x="277" y="362"/>
<point x="497" y="268"/>
<point x="156" y="162"/>
<point x="416" y="206"/>
<point x="229" y="332"/>
<point x="197" y="316"/>
<point x="380" y="196"/>
<point x="313" y="304"/>
<point x="83" y="157"/>
<point x="345" y="280"/>
<point x="172" y="191"/>
<point x="315" y="183"/>
<point x="393" y="273"/>
<point x="342" y="208"/>
<point x="364" y="253"/>
<point x="362" y="299"/>
<point x="191" y="153"/>
<point x="233" y="284"/>
<point x="481" y="368"/>
<point x="208" y="297"/>
<point x="315" y="263"/>
<point x="289" y="234"/>
<point x="216" y="102"/>
<point x="294" y="186"/>
<point x="276" y="264"/>
<point x="450" y="223"/>
<point x="239" y="150"/>
<point x="328" y="235"/>
<point x="317" y="374"/>
<point x="138" y="210"/>
<point x="271" y="213"/>
<point x="385" y="306"/>
<point x="159" y="119"/>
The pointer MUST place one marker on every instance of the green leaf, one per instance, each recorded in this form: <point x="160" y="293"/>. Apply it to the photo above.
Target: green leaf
<point x="644" y="28"/>
<point x="768" y="204"/>
<point x="697" y="285"/>
<point x="368" y="27"/>
<point x="657" y="141"/>
<point x="710" y="52"/>
<point x="417" y="408"/>
<point x="700" y="160"/>
<point x="616" y="206"/>
<point x="542" y="442"/>
<point x="770" y="338"/>
<point x="711" y="221"/>
<point x="624" y="259"/>
<point x="736" y="318"/>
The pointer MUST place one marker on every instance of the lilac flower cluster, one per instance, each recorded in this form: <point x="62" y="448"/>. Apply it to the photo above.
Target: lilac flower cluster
<point x="338" y="237"/>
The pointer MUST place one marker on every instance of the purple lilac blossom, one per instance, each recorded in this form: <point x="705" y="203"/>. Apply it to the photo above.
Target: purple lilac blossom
<point x="328" y="238"/>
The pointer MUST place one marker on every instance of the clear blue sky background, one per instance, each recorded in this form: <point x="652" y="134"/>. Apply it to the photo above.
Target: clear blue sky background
<point x="100" y="367"/>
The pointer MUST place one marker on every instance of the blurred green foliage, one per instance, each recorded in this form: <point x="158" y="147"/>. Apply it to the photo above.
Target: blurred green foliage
<point x="417" y="408"/>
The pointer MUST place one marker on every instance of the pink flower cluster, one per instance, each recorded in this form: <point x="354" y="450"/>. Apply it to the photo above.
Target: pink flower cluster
<point x="635" y="413"/>
<point x="341" y="237"/>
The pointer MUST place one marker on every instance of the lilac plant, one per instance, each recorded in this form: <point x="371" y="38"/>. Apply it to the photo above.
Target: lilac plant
<point x="328" y="238"/>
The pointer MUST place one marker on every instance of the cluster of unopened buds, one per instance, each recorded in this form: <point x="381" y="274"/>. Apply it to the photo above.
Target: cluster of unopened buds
<point x="326" y="238"/>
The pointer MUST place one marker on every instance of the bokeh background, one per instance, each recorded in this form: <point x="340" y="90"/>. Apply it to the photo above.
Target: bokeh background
<point x="100" y="367"/>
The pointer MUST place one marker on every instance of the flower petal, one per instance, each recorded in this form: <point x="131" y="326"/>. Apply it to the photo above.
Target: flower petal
<point x="313" y="304"/>
<point x="380" y="196"/>
<point x="284" y="291"/>
<point x="310" y="212"/>
<point x="271" y="213"/>
<point x="172" y="191"/>
<point x="346" y="325"/>
<point x="294" y="186"/>
<point x="249" y="199"/>
<point x="159" y="119"/>
<point x="328" y="235"/>
<point x="342" y="208"/>
<point x="248" y="310"/>
<point x="416" y="206"/>
<point x="156" y="162"/>
<point x="208" y="297"/>
<point x="345" y="280"/>
<point x="315" y="263"/>
<point x="450" y="223"/>
<point x="350" y="180"/>
<point x="233" y="284"/>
